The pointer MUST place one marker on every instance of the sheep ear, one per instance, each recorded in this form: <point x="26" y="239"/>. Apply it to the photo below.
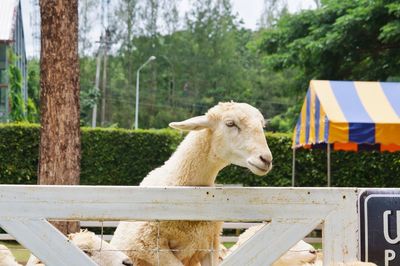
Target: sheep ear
<point x="194" y="123"/>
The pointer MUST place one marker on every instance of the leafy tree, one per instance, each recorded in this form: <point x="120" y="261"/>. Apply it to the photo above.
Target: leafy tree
<point x="86" y="9"/>
<point x="346" y="39"/>
<point x="342" y="40"/>
<point x="17" y="104"/>
<point x="33" y="90"/>
<point x="32" y="111"/>
<point x="205" y="58"/>
<point x="88" y="94"/>
<point x="273" y="10"/>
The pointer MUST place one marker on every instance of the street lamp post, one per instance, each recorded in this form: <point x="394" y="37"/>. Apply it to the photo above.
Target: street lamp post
<point x="151" y="58"/>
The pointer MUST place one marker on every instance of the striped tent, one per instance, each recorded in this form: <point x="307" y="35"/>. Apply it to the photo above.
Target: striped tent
<point x="350" y="115"/>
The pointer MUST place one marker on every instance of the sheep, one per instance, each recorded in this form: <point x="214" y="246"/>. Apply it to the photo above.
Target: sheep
<point x="6" y="257"/>
<point x="319" y="262"/>
<point x="357" y="263"/>
<point x="99" y="250"/>
<point x="302" y="254"/>
<point x="229" y="133"/>
<point x="298" y="255"/>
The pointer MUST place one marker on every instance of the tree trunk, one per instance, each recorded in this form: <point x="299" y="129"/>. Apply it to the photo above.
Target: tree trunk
<point x="59" y="157"/>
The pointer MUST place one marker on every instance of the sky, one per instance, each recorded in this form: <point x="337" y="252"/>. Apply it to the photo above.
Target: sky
<point x="248" y="10"/>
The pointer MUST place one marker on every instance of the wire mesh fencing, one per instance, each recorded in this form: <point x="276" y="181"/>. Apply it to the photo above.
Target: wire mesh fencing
<point x="98" y="248"/>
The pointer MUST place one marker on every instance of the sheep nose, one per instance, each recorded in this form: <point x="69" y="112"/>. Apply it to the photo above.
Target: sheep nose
<point x="127" y="262"/>
<point x="266" y="159"/>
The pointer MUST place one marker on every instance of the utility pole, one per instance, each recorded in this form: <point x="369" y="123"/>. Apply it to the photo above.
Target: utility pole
<point x="97" y="81"/>
<point x="136" y="123"/>
<point x="104" y="89"/>
<point x="106" y="41"/>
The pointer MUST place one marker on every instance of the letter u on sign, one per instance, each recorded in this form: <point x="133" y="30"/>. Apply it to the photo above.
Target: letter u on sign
<point x="386" y="227"/>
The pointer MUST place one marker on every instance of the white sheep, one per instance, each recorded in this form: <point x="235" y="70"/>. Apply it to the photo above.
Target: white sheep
<point x="230" y="133"/>
<point x="301" y="254"/>
<point x="319" y="262"/>
<point x="97" y="249"/>
<point x="298" y="255"/>
<point x="6" y="257"/>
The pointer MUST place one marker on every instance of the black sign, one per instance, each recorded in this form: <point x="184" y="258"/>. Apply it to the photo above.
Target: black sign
<point x="380" y="226"/>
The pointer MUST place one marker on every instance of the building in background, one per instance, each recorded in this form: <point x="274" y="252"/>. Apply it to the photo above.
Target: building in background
<point x="11" y="37"/>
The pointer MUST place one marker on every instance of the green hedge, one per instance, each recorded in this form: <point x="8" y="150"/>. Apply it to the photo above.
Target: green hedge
<point x="124" y="157"/>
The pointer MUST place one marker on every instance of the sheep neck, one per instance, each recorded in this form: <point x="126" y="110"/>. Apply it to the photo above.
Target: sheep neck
<point x="200" y="165"/>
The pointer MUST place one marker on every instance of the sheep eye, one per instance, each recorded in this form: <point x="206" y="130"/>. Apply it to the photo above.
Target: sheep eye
<point x="87" y="252"/>
<point x="230" y="124"/>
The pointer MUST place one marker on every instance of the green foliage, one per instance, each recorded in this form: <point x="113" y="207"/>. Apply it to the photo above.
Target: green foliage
<point x="17" y="113"/>
<point x="32" y="112"/>
<point x="109" y="156"/>
<point x="345" y="39"/>
<point x="202" y="59"/>
<point x="124" y="157"/>
<point x="19" y="153"/>
<point x="88" y="93"/>
<point x="33" y="91"/>
<point x="89" y="97"/>
<point x="285" y="122"/>
<point x="342" y="40"/>
<point x="34" y="81"/>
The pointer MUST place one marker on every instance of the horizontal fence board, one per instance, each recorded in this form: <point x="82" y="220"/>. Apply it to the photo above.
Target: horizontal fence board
<point x="313" y="240"/>
<point x="229" y="239"/>
<point x="170" y="203"/>
<point x="6" y="237"/>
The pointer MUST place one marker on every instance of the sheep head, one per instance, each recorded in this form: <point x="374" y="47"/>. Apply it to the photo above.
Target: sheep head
<point x="99" y="250"/>
<point x="300" y="254"/>
<point x="237" y="135"/>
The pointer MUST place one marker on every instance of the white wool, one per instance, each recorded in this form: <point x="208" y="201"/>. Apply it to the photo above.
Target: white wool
<point x="299" y="254"/>
<point x="355" y="263"/>
<point x="6" y="257"/>
<point x="230" y="133"/>
<point x="302" y="254"/>
<point x="319" y="262"/>
<point x="97" y="249"/>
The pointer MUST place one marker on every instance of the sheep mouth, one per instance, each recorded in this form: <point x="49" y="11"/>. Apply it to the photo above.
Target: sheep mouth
<point x="261" y="169"/>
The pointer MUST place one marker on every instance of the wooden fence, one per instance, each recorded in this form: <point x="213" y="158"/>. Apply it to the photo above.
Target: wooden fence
<point x="292" y="214"/>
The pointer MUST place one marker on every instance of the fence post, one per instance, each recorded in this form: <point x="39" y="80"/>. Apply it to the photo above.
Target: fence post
<point x="340" y="231"/>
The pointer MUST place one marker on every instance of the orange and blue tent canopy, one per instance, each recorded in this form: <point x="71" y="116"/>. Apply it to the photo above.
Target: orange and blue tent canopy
<point x="351" y="115"/>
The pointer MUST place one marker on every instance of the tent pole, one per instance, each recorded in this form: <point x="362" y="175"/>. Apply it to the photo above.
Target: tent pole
<point x="293" y="166"/>
<point x="328" y="147"/>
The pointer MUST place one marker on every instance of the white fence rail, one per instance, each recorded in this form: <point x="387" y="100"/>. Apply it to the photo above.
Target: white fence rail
<point x="292" y="212"/>
<point x="113" y="224"/>
<point x="225" y="238"/>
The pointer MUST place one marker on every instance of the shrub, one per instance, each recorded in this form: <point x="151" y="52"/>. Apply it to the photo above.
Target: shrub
<point x="124" y="157"/>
